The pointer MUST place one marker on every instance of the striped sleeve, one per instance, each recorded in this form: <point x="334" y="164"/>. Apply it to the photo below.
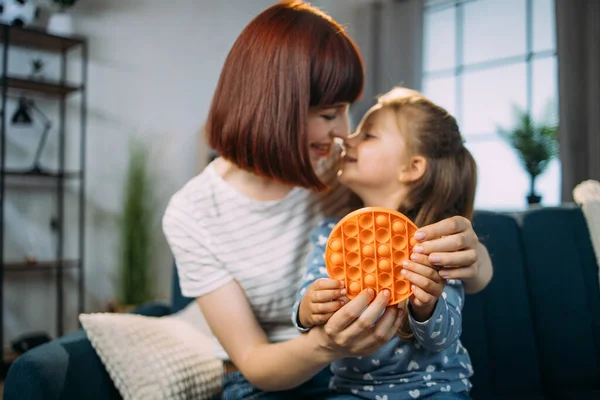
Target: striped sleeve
<point x="199" y="270"/>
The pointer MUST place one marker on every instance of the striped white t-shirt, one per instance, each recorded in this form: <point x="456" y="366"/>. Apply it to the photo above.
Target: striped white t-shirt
<point x="218" y="234"/>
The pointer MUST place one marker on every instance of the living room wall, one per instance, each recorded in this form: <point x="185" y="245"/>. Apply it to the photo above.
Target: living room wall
<point x="152" y="70"/>
<point x="151" y="75"/>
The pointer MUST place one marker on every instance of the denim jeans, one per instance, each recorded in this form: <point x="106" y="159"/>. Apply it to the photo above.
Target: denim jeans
<point x="438" y="396"/>
<point x="236" y="387"/>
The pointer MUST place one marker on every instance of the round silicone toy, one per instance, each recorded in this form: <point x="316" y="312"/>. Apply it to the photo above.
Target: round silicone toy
<point x="366" y="250"/>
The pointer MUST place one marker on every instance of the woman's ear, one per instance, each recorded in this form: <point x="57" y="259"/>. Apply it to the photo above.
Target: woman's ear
<point x="414" y="170"/>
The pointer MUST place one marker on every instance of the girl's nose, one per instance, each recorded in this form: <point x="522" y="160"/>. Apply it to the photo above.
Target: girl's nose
<point x="353" y="139"/>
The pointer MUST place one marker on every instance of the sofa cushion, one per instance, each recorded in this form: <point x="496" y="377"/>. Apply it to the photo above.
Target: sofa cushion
<point x="497" y="324"/>
<point x="155" y="358"/>
<point x="65" y="368"/>
<point x="563" y="281"/>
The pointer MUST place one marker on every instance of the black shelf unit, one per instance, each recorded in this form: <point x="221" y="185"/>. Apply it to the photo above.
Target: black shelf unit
<point x="59" y="90"/>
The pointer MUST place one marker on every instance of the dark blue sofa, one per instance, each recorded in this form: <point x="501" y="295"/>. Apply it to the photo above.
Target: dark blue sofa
<point x="533" y="333"/>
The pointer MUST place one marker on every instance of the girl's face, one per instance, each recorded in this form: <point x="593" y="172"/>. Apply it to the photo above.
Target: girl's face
<point x="325" y="124"/>
<point x="376" y="156"/>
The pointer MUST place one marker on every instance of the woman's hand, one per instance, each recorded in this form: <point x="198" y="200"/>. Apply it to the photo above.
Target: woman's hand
<point x="352" y="332"/>
<point x="453" y="244"/>
<point x="448" y="243"/>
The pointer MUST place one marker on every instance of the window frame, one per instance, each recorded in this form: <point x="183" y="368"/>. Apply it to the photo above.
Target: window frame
<point x="460" y="68"/>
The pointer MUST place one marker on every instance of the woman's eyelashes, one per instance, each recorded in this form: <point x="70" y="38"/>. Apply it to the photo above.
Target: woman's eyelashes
<point x="329" y="114"/>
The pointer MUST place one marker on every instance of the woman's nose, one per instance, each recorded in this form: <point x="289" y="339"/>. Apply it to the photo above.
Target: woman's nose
<point x="341" y="129"/>
<point x="339" y="134"/>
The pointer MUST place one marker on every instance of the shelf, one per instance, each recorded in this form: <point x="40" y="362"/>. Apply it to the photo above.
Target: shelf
<point x="23" y="181"/>
<point x="48" y="88"/>
<point x="24" y="174"/>
<point x="27" y="179"/>
<point x="38" y="39"/>
<point x="22" y="266"/>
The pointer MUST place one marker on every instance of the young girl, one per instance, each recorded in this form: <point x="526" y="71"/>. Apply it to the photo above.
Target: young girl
<point x="407" y="155"/>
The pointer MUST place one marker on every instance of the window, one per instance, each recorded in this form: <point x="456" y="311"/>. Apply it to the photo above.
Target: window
<point x="481" y="58"/>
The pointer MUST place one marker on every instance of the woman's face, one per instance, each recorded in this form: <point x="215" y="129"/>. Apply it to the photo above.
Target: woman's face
<point x="325" y="124"/>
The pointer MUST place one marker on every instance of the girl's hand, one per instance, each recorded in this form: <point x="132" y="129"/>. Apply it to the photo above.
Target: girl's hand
<point x="450" y="243"/>
<point x="427" y="287"/>
<point x="357" y="330"/>
<point x="323" y="297"/>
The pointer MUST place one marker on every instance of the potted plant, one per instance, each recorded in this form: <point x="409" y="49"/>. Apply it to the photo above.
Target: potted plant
<point x="136" y="226"/>
<point x="60" y="22"/>
<point x="535" y="144"/>
<point x="37" y="69"/>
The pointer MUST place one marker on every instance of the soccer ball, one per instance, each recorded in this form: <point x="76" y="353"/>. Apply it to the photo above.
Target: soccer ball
<point x="19" y="12"/>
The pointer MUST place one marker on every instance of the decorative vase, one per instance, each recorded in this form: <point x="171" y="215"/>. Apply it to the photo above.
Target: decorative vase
<point x="60" y="23"/>
<point x="534" y="199"/>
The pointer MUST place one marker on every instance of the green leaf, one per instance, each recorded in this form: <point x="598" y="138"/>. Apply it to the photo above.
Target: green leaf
<point x="535" y="144"/>
<point x="136" y="227"/>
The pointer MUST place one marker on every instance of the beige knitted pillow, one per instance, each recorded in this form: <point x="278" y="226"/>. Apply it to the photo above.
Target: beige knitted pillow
<point x="155" y="358"/>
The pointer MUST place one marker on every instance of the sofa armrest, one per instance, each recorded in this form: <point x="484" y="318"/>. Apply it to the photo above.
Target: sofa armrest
<point x="66" y="368"/>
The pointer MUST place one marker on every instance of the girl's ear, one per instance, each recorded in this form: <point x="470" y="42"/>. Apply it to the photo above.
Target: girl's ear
<point x="414" y="170"/>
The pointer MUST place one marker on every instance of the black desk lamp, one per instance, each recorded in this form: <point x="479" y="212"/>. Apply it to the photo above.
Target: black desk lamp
<point x="22" y="116"/>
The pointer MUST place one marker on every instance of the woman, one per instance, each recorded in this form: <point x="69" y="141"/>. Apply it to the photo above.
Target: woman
<point x="240" y="230"/>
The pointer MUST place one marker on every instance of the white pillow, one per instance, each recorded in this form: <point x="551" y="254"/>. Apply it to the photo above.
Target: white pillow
<point x="155" y="357"/>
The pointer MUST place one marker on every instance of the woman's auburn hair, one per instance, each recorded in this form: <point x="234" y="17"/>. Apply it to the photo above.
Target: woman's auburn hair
<point x="289" y="58"/>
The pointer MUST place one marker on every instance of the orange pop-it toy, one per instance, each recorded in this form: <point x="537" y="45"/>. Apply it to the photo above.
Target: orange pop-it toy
<point x="366" y="250"/>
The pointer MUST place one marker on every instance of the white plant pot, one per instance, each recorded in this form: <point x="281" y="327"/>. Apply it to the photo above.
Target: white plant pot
<point x="60" y="23"/>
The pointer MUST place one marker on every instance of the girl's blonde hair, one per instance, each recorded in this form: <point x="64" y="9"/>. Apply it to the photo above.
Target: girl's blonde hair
<point x="447" y="187"/>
